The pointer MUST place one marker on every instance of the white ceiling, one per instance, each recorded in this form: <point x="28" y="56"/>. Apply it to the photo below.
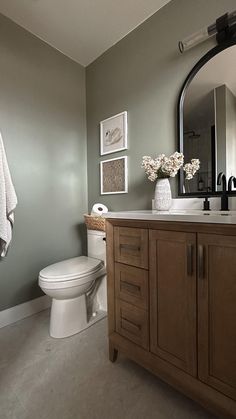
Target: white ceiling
<point x="81" y="29"/>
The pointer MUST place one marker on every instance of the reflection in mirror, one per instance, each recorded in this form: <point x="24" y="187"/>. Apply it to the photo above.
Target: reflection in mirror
<point x="209" y="122"/>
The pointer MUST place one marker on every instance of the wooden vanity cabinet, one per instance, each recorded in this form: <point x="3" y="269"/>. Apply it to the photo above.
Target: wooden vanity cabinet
<point x="172" y="305"/>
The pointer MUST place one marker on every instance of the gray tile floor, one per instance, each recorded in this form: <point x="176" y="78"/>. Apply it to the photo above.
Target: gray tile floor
<point x="45" y="378"/>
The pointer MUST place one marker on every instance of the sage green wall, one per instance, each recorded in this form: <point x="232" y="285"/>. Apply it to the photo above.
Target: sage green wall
<point x="43" y="123"/>
<point x="143" y="74"/>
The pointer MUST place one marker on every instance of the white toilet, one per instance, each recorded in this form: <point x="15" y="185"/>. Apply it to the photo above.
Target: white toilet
<point x="78" y="289"/>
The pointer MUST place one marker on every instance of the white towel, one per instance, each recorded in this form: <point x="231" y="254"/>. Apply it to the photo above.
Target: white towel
<point x="8" y="201"/>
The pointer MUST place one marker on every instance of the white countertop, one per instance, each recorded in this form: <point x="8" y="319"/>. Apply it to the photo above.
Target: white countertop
<point x="193" y="216"/>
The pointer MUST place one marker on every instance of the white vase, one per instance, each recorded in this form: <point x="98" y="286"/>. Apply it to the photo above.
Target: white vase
<point x="162" y="198"/>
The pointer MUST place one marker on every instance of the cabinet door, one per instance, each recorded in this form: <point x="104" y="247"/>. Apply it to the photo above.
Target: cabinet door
<point x="217" y="311"/>
<point x="173" y="298"/>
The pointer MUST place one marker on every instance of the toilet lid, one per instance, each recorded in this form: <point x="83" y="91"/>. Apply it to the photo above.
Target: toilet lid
<point x="71" y="268"/>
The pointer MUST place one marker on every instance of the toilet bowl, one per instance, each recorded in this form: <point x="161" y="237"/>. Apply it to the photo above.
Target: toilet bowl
<point x="70" y="283"/>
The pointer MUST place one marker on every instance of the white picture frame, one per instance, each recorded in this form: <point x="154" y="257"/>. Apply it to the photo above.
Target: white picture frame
<point x="114" y="134"/>
<point x="113" y="176"/>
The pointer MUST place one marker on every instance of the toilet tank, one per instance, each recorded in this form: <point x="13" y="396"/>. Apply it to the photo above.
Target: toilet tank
<point x="96" y="244"/>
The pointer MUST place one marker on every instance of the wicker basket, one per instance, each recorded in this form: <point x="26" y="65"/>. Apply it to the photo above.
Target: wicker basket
<point x="94" y="223"/>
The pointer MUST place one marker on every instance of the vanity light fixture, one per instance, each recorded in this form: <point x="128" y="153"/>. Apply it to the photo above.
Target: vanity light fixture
<point x="224" y="28"/>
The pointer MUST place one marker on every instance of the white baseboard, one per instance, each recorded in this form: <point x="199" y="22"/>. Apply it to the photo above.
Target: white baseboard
<point x="13" y="314"/>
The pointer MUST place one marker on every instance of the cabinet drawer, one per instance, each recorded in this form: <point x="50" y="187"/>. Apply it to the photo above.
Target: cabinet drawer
<point x="131" y="246"/>
<point x="132" y="323"/>
<point x="131" y="285"/>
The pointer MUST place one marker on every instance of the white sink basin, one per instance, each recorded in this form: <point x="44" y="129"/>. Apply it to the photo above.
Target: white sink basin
<point x="197" y="216"/>
<point x="197" y="212"/>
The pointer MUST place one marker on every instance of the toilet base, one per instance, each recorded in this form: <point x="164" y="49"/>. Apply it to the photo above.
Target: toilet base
<point x="69" y="317"/>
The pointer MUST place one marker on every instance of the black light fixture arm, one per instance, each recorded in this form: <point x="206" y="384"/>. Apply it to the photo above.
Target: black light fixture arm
<point x="224" y="28"/>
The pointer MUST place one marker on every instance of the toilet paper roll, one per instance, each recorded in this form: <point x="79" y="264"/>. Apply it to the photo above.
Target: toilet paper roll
<point x="99" y="209"/>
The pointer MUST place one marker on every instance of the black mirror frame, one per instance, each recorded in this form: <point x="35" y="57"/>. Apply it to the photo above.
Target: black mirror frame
<point x="207" y="57"/>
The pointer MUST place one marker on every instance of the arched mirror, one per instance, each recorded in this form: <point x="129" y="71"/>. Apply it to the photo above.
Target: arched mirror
<point x="207" y="120"/>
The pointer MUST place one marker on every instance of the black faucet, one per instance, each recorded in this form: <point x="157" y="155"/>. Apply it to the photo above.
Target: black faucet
<point x="232" y="180"/>
<point x="206" y="204"/>
<point x="221" y="179"/>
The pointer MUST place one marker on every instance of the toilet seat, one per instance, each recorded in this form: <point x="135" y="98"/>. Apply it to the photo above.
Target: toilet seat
<point x="71" y="272"/>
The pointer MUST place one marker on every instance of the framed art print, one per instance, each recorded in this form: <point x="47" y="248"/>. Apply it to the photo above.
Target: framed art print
<point x="113" y="134"/>
<point x="114" y="176"/>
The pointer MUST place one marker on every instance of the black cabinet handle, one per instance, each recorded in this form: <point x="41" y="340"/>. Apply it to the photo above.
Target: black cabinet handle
<point x="201" y="255"/>
<point x="189" y="259"/>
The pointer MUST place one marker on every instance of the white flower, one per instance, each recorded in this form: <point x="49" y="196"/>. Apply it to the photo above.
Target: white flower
<point x="191" y="168"/>
<point x="164" y="167"/>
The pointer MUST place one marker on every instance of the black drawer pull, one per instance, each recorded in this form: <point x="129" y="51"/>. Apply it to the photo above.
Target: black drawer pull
<point x="129" y="287"/>
<point x="130" y="326"/>
<point x="130" y="247"/>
